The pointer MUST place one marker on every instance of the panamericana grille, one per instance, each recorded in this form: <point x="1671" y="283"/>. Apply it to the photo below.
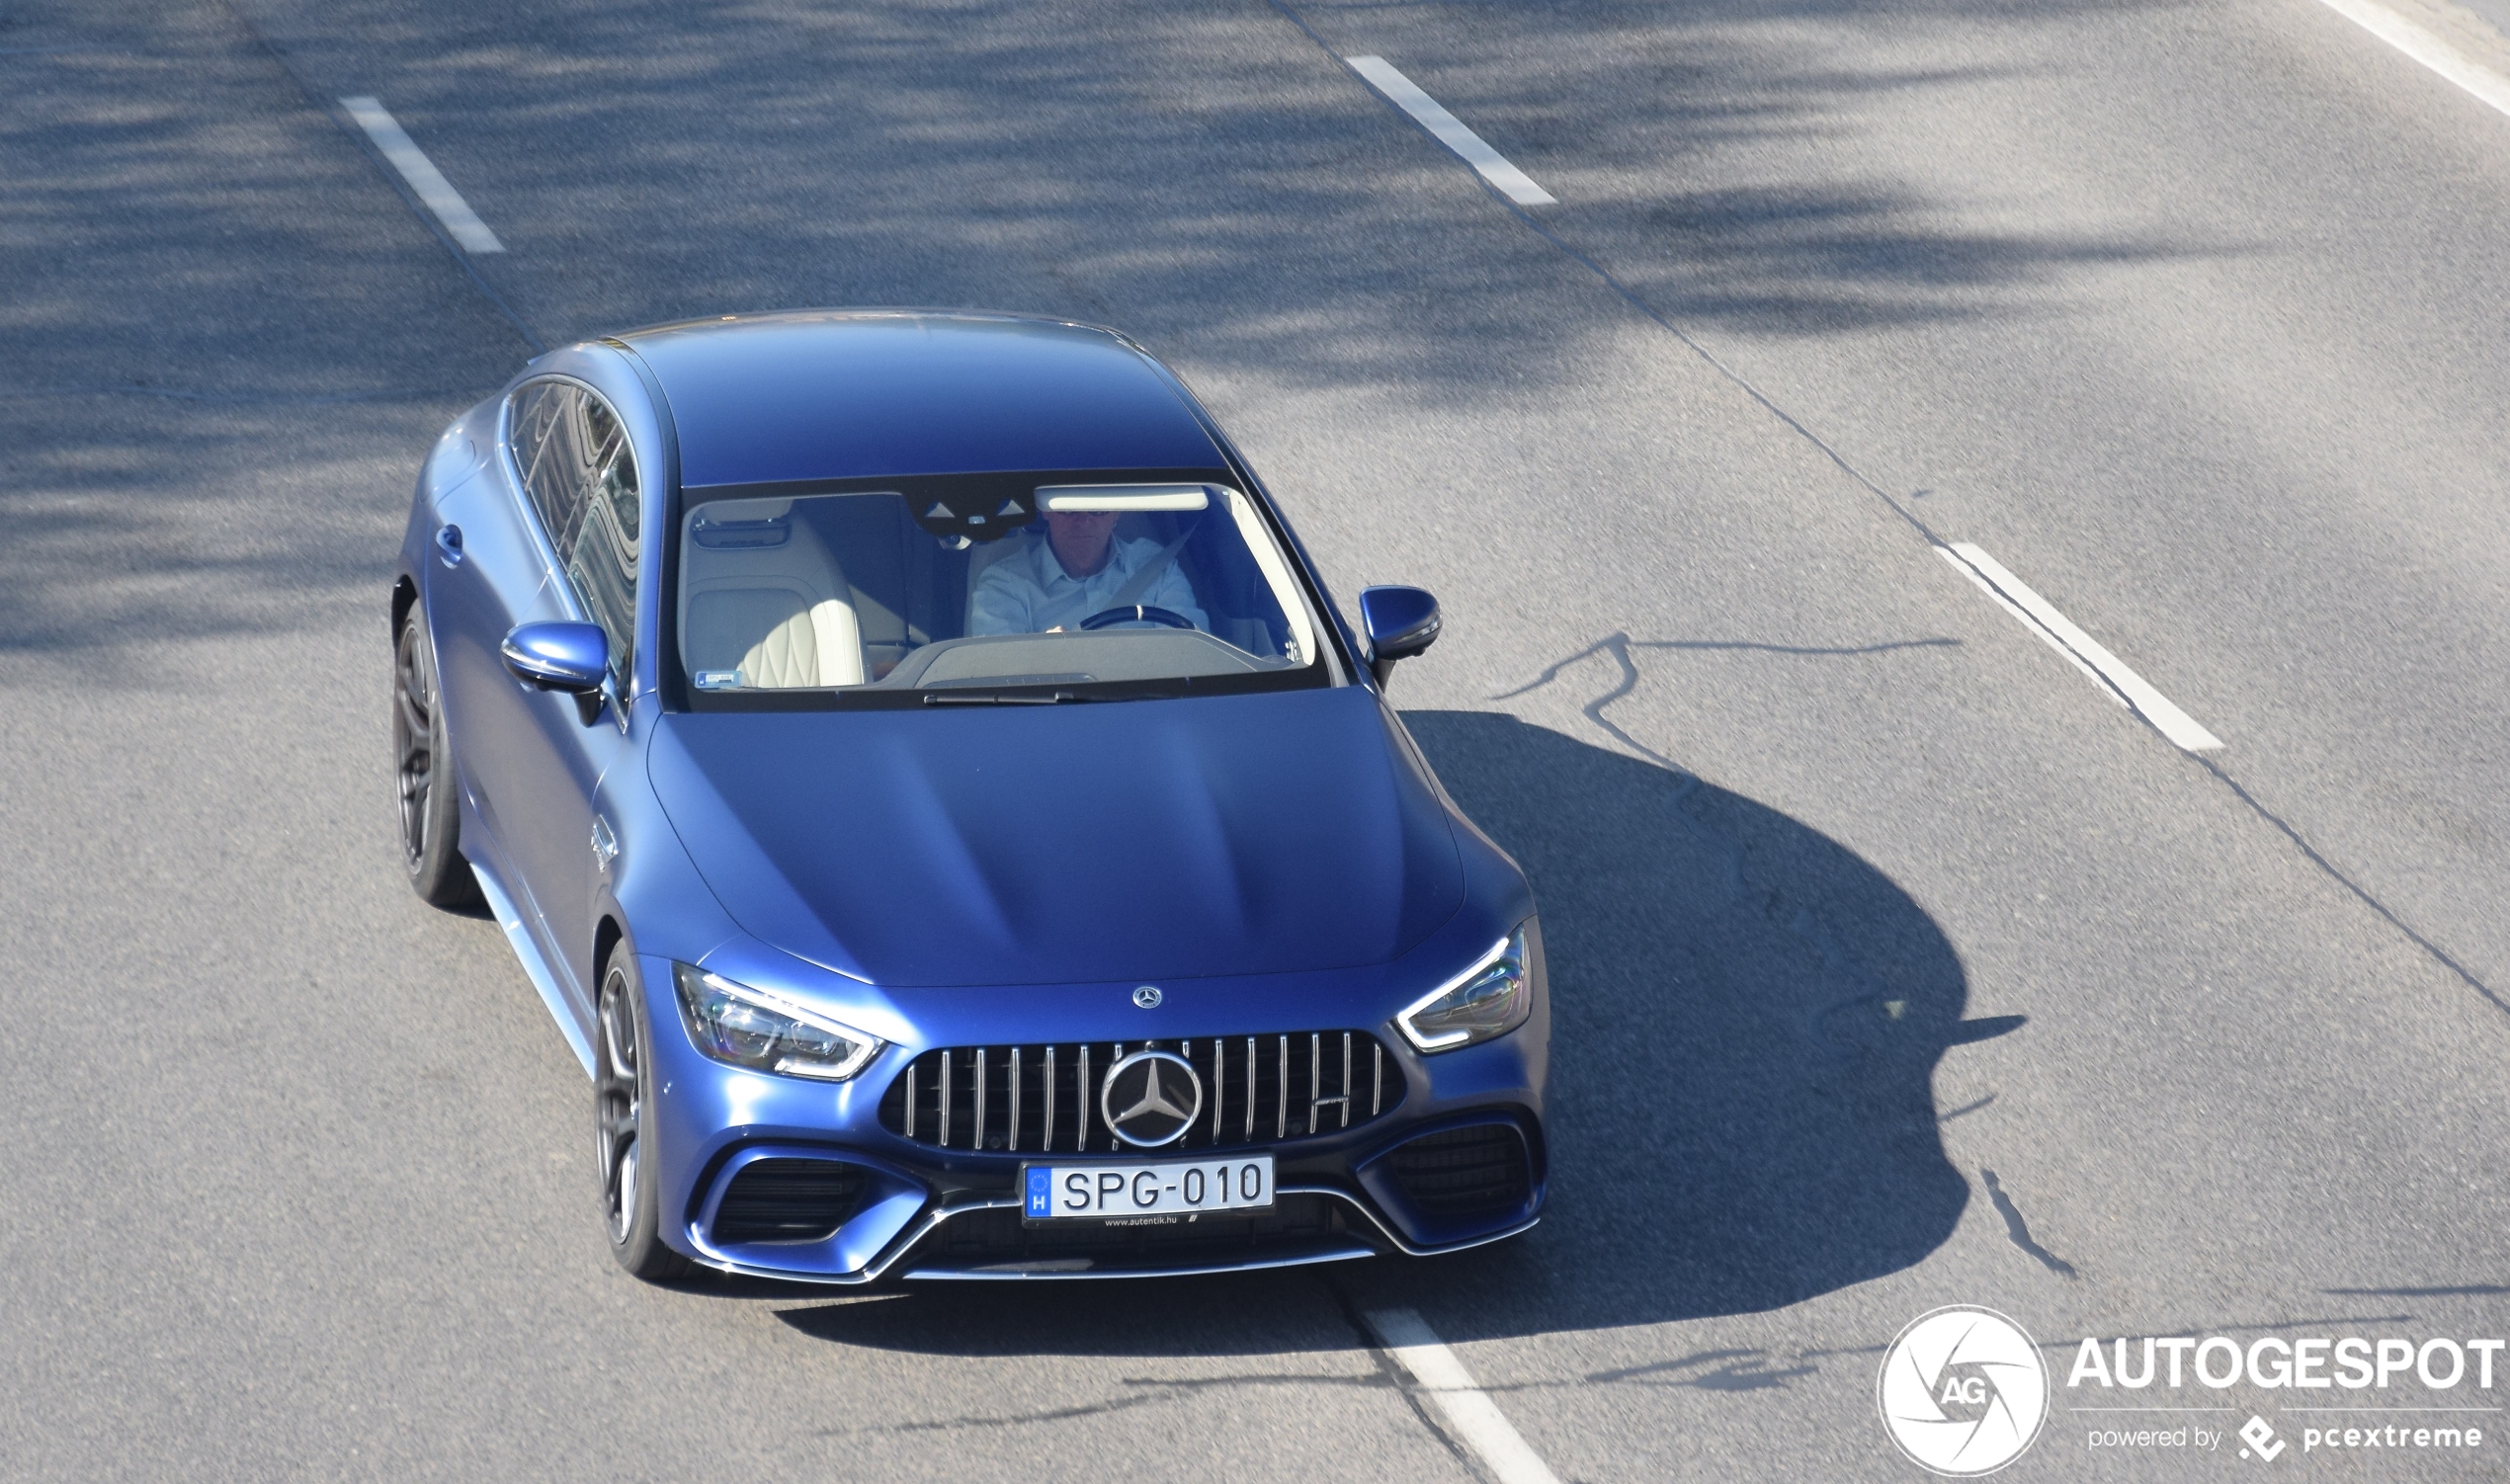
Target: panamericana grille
<point x="1465" y="1172"/>
<point x="1256" y="1090"/>
<point x="787" y="1201"/>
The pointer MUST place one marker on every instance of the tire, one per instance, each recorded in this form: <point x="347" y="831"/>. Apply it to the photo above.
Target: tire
<point x="623" y="1125"/>
<point x="423" y="773"/>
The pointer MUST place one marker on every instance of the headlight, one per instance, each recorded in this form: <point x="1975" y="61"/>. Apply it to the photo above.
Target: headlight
<point x="1491" y="997"/>
<point x="750" y="1028"/>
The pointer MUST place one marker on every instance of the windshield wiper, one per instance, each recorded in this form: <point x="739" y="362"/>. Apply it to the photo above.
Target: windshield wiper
<point x="1036" y="698"/>
<point x="995" y="697"/>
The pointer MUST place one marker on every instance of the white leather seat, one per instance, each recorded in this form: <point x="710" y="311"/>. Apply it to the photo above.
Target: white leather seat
<point x="779" y="614"/>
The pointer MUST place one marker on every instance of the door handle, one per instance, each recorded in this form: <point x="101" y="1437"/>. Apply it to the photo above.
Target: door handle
<point x="449" y="546"/>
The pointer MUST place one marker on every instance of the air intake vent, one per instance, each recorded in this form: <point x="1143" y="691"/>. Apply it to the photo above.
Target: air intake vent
<point x="1257" y="1090"/>
<point x="787" y="1201"/>
<point x="1468" y="1172"/>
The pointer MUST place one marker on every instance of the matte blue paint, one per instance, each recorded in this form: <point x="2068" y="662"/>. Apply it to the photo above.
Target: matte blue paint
<point x="1027" y="845"/>
<point x="840" y="395"/>
<point x="1274" y="861"/>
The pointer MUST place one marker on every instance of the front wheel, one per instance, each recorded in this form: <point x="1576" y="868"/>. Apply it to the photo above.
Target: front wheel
<point x="423" y="771"/>
<point x="623" y="1124"/>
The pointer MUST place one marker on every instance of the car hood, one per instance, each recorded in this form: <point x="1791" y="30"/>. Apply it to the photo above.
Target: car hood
<point x="1082" y="842"/>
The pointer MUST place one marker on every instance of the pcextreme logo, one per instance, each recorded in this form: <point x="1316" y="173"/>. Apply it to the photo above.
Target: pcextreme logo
<point x="1963" y="1391"/>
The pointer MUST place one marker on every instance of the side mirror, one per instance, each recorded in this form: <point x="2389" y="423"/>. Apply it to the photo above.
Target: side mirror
<point x="1399" y="621"/>
<point x="570" y="657"/>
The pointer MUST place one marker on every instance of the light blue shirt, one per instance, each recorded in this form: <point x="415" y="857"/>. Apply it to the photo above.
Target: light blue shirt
<point x="1029" y="591"/>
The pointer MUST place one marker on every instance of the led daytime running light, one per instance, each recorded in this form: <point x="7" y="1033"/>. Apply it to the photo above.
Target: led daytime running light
<point x="748" y="1027"/>
<point x="1508" y="957"/>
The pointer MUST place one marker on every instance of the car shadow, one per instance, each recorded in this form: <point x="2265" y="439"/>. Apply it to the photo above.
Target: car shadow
<point x="1746" y="1016"/>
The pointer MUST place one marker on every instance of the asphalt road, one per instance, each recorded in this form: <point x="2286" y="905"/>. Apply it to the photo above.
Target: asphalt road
<point x="1895" y="963"/>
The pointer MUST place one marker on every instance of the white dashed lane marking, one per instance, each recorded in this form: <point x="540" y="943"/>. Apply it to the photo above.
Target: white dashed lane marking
<point x="2087" y="653"/>
<point x="425" y="180"/>
<point x="1473" y="1418"/>
<point x="2428" y="49"/>
<point x="1404" y="93"/>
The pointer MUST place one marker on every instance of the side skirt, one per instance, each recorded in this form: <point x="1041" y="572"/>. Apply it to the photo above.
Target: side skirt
<point x="534" y="968"/>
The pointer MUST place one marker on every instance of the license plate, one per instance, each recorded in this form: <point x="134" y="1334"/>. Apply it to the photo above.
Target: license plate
<point x="1154" y="1195"/>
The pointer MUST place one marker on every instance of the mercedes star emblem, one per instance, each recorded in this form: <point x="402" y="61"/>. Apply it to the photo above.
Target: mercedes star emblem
<point x="1151" y="1098"/>
<point x="1147" y="997"/>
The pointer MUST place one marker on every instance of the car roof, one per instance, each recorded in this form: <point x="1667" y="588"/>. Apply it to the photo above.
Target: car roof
<point x="851" y="395"/>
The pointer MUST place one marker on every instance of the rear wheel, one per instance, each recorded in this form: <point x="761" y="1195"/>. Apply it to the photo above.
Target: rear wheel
<point x="422" y="768"/>
<point x="623" y="1121"/>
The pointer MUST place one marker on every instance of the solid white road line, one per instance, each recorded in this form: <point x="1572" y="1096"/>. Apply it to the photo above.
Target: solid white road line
<point x="423" y="176"/>
<point x="1401" y="91"/>
<point x="2031" y="623"/>
<point x="2429" y="50"/>
<point x="1472" y="1416"/>
<point x="2087" y="653"/>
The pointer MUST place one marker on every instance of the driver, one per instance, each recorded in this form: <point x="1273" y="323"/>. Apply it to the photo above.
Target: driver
<point x="1079" y="569"/>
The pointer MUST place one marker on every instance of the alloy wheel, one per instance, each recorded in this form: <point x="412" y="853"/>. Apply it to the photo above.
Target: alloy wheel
<point x="413" y="737"/>
<point x="616" y="1104"/>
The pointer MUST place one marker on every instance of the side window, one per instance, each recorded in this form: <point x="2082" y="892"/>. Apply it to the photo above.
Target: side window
<point x="546" y="416"/>
<point x="581" y="478"/>
<point x="603" y="562"/>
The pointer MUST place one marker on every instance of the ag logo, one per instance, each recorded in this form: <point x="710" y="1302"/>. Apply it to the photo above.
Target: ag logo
<point x="1963" y="1391"/>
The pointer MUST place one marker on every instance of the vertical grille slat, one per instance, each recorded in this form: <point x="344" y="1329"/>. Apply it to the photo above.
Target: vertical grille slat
<point x="1281" y="1090"/>
<point x="1259" y="1089"/>
<point x="1316" y="1076"/>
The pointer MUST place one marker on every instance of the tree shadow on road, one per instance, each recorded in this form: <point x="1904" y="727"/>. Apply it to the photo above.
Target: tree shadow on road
<point x="1746" y="1018"/>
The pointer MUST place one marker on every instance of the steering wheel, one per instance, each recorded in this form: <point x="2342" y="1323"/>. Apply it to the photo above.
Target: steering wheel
<point x="1137" y="613"/>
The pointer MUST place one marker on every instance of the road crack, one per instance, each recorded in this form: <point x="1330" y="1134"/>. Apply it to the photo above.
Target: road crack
<point x="2020" y="1230"/>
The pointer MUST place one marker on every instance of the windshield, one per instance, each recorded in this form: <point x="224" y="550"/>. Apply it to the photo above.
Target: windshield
<point x="986" y="590"/>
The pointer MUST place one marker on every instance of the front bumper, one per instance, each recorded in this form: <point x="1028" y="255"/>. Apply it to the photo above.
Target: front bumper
<point x="903" y="1233"/>
<point x="917" y="1211"/>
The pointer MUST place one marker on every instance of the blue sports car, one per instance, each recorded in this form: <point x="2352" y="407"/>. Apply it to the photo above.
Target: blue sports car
<point x="924" y="776"/>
